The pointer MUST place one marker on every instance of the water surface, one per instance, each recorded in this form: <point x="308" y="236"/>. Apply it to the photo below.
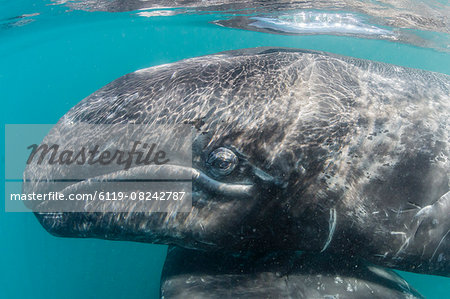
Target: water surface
<point x="53" y="54"/>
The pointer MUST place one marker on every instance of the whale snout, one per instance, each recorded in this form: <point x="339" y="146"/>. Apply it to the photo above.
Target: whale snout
<point x="209" y="204"/>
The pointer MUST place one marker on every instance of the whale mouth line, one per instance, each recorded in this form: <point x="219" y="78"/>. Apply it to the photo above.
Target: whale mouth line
<point x="165" y="174"/>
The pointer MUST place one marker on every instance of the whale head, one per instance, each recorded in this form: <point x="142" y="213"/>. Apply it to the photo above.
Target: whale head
<point x="247" y="162"/>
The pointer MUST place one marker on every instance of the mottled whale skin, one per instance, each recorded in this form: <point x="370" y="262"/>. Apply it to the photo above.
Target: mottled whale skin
<point x="195" y="274"/>
<point x="333" y="154"/>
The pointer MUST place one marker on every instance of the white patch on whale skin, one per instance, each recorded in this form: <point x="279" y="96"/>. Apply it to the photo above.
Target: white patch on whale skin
<point x="439" y="245"/>
<point x="331" y="227"/>
<point x="403" y="234"/>
<point x="310" y="22"/>
<point x="382" y="273"/>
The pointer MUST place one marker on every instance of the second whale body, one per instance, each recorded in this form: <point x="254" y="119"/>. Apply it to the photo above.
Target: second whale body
<point x="196" y="274"/>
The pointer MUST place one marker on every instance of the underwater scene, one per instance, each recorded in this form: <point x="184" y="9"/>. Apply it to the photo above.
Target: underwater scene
<point x="225" y="149"/>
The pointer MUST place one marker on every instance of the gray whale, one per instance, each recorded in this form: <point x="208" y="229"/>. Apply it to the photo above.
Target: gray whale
<point x="333" y="154"/>
<point x="196" y="274"/>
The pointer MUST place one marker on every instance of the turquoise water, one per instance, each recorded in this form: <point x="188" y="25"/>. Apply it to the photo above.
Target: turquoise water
<point x="49" y="65"/>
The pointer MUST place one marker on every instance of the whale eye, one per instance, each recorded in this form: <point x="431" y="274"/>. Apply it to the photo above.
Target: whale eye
<point x="222" y="161"/>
